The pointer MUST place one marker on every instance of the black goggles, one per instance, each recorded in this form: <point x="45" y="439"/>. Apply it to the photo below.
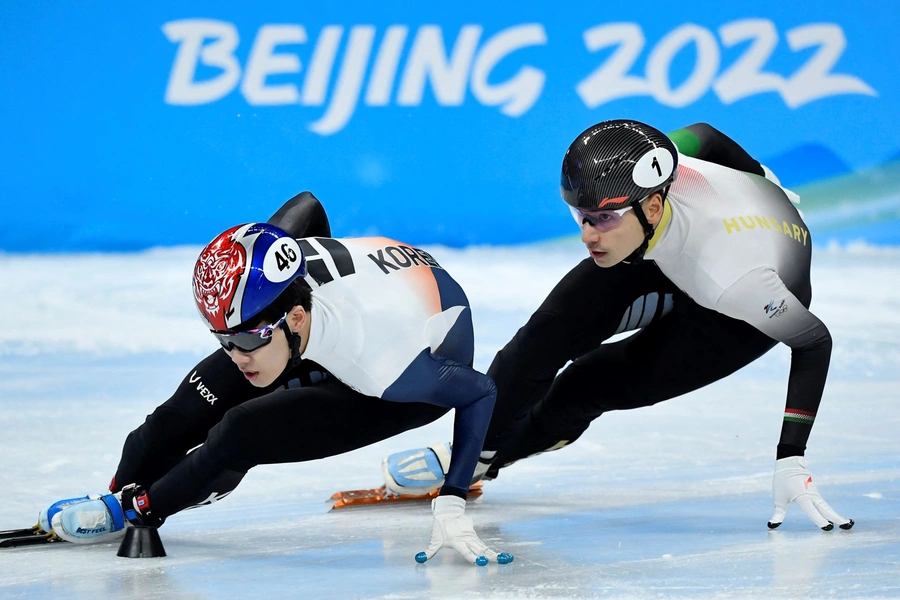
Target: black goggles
<point x="250" y="340"/>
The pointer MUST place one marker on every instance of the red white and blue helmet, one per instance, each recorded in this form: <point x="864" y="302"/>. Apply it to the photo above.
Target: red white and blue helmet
<point x="244" y="270"/>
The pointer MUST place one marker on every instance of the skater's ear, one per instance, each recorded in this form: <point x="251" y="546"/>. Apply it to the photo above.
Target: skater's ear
<point x="653" y="208"/>
<point x="298" y="319"/>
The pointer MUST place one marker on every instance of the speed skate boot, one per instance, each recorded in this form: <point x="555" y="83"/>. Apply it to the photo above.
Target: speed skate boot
<point x="45" y="518"/>
<point x="103" y="518"/>
<point x="422" y="470"/>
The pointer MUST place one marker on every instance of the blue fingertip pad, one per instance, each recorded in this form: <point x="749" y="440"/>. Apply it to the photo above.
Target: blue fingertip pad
<point x="481" y="561"/>
<point x="504" y="558"/>
<point x="421" y="557"/>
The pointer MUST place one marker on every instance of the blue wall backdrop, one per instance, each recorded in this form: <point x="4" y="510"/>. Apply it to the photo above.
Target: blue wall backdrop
<point x="127" y="126"/>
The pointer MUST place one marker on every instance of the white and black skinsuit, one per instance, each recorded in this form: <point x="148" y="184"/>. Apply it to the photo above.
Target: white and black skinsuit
<point x="390" y="348"/>
<point x="726" y="276"/>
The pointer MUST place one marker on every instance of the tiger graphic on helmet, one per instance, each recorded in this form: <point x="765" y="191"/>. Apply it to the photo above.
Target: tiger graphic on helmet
<point x="216" y="277"/>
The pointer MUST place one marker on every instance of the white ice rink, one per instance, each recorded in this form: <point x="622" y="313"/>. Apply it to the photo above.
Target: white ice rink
<point x="662" y="502"/>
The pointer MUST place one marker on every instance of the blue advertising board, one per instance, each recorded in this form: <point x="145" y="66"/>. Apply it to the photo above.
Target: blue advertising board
<point x="128" y="126"/>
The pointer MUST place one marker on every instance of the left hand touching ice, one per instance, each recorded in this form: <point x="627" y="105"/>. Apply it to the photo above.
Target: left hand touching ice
<point x="793" y="483"/>
<point x="452" y="528"/>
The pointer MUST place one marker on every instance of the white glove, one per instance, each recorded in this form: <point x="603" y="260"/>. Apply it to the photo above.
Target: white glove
<point x="453" y="529"/>
<point x="793" y="483"/>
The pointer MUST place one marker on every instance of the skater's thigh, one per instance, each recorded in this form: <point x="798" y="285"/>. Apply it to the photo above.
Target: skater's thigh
<point x="314" y="422"/>
<point x="676" y="355"/>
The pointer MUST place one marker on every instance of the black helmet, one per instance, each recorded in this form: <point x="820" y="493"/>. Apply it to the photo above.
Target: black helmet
<point x="616" y="163"/>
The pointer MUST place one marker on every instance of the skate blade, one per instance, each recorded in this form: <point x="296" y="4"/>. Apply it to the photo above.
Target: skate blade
<point x="376" y="496"/>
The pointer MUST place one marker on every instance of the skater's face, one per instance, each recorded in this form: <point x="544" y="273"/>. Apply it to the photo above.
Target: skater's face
<point x="609" y="248"/>
<point x="262" y="366"/>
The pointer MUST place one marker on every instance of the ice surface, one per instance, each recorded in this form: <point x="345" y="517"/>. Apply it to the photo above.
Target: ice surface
<point x="662" y="502"/>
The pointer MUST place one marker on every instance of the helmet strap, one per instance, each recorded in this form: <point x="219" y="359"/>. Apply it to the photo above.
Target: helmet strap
<point x="638" y="255"/>
<point x="294" y="341"/>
